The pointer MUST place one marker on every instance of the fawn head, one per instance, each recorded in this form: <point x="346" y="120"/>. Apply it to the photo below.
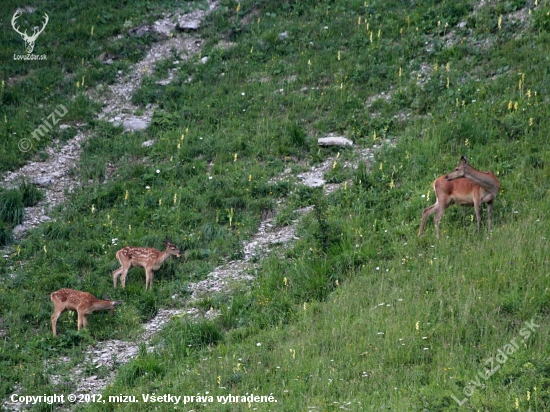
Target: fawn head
<point x="171" y="248"/>
<point x="114" y="303"/>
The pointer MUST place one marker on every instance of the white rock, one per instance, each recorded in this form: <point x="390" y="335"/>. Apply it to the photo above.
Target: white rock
<point x="313" y="182"/>
<point x="334" y="141"/>
<point x="188" y="23"/>
<point x="44" y="181"/>
<point x="135" y="124"/>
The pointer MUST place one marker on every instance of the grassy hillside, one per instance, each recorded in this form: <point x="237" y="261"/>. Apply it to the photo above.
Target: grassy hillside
<point x="361" y="314"/>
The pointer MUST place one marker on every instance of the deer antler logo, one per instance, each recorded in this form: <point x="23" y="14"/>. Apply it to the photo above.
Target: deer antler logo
<point x="29" y="40"/>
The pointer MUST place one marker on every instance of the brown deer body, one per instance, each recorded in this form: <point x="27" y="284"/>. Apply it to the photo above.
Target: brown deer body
<point x="464" y="186"/>
<point x="83" y="303"/>
<point x="148" y="258"/>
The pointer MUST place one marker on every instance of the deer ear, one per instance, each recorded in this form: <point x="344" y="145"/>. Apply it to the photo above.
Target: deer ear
<point x="463" y="160"/>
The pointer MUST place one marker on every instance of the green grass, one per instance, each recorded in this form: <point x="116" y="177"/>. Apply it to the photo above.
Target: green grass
<point x="73" y="40"/>
<point x="360" y="313"/>
<point x="12" y="207"/>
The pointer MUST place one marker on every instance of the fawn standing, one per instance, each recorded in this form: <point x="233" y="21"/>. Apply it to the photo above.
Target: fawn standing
<point x="145" y="257"/>
<point x="83" y="303"/>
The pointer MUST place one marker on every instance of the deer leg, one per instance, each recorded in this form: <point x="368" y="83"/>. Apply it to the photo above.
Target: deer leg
<point x="84" y="320"/>
<point x="116" y="273"/>
<point x="123" y="276"/>
<point x="489" y="213"/>
<point x="80" y="319"/>
<point x="55" y="316"/>
<point x="425" y="213"/>
<point x="438" y="217"/>
<point x="478" y="213"/>
<point x="149" y="274"/>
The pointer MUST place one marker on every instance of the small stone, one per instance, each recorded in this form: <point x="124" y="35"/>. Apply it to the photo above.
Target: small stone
<point x="164" y="82"/>
<point x="44" y="181"/>
<point x="334" y="141"/>
<point x="135" y="124"/>
<point x="19" y="229"/>
<point x="313" y="182"/>
<point x="140" y="31"/>
<point x="188" y="23"/>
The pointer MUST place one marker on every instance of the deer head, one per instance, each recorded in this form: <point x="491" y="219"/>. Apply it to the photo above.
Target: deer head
<point x="115" y="302"/>
<point x="171" y="248"/>
<point x="29" y="40"/>
<point x="459" y="171"/>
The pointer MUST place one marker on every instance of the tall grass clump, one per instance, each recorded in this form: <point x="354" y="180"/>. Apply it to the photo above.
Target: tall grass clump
<point x="30" y="194"/>
<point x="6" y="235"/>
<point x="12" y="208"/>
<point x="297" y="134"/>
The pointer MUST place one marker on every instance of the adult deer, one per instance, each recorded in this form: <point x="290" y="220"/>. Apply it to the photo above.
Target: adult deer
<point x="29" y="40"/>
<point x="464" y="186"/>
<point x="83" y="303"/>
<point x="145" y="257"/>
